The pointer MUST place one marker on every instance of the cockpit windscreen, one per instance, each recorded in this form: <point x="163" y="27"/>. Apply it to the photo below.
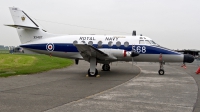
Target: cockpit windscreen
<point x="153" y="42"/>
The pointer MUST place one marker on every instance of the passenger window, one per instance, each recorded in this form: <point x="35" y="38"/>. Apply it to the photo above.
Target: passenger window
<point x="118" y="44"/>
<point x="147" y="42"/>
<point x="126" y="44"/>
<point x="110" y="44"/>
<point x="75" y="42"/>
<point x="100" y="44"/>
<point x="90" y="43"/>
<point x="141" y="42"/>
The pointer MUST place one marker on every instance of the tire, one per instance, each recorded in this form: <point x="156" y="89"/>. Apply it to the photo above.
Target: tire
<point x="106" y="67"/>
<point x="161" y="72"/>
<point x="92" y="75"/>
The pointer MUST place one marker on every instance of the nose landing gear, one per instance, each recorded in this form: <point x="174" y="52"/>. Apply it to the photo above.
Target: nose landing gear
<point x="161" y="71"/>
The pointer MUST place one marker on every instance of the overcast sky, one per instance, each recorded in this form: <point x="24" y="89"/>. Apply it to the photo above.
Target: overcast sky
<point x="173" y="24"/>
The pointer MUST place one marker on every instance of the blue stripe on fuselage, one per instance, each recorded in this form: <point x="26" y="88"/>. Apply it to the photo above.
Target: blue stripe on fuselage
<point x="64" y="47"/>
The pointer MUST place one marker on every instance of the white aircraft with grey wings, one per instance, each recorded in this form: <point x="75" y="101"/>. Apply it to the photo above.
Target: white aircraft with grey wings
<point x="103" y="49"/>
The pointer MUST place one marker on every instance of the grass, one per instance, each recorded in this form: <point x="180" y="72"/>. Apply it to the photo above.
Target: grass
<point x="20" y="64"/>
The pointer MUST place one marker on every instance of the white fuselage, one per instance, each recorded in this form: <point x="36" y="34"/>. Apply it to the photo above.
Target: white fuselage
<point x="63" y="46"/>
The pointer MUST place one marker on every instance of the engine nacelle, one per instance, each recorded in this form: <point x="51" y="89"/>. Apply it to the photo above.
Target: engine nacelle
<point x="119" y="53"/>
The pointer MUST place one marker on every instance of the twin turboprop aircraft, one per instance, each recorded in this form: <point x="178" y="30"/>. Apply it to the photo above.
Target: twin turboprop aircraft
<point x="103" y="49"/>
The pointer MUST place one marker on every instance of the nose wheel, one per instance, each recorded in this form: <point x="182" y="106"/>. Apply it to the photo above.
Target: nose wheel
<point x="106" y="67"/>
<point x="161" y="71"/>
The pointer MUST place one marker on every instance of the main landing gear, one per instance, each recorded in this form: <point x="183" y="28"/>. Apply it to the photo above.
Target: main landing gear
<point x="92" y="72"/>
<point x="161" y="71"/>
<point x="106" y="67"/>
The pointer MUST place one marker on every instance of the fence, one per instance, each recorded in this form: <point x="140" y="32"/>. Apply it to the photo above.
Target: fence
<point x="4" y="51"/>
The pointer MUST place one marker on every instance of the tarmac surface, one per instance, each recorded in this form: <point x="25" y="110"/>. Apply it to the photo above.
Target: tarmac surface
<point x="190" y="70"/>
<point x="44" y="91"/>
<point x="136" y="88"/>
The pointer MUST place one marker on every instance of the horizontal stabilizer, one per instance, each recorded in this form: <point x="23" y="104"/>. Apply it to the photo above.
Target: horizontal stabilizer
<point x="23" y="27"/>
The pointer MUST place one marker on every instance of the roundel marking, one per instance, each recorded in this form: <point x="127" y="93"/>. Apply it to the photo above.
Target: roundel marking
<point x="50" y="47"/>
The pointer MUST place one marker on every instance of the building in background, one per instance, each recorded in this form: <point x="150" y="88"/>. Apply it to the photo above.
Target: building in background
<point x="2" y="47"/>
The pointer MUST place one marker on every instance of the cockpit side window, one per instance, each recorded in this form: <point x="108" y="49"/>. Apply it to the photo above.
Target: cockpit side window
<point x="147" y="42"/>
<point x="152" y="42"/>
<point x="141" y="42"/>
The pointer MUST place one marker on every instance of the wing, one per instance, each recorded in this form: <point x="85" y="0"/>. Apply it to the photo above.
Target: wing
<point x="88" y="51"/>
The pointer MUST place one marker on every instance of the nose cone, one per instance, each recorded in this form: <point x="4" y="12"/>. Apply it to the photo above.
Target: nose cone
<point x="188" y="58"/>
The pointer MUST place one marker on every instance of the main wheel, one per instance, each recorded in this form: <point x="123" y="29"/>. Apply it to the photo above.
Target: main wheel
<point x="161" y="72"/>
<point x="90" y="74"/>
<point x="106" y="67"/>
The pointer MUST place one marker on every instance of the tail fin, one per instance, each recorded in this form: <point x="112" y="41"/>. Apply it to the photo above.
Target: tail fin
<point x="28" y="30"/>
